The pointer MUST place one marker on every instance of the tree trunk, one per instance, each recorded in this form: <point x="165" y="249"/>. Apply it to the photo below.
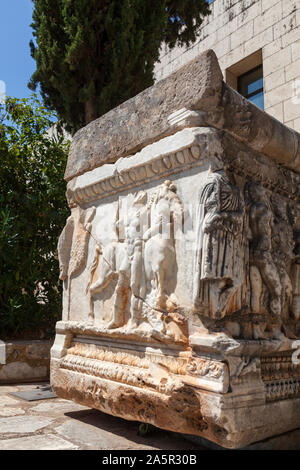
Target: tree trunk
<point x="90" y="110"/>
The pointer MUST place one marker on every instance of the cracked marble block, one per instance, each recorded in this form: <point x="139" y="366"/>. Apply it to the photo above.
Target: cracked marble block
<point x="180" y="263"/>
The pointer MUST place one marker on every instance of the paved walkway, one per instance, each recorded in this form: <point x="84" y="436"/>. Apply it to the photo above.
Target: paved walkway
<point x="57" y="424"/>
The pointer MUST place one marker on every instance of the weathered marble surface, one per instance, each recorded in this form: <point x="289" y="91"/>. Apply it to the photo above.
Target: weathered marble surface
<point x="195" y="95"/>
<point x="180" y="270"/>
<point x="57" y="424"/>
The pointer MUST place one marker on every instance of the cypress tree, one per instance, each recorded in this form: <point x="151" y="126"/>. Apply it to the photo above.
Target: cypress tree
<point x="92" y="55"/>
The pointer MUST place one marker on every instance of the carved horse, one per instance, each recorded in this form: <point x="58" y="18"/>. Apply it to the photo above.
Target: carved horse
<point x="111" y="263"/>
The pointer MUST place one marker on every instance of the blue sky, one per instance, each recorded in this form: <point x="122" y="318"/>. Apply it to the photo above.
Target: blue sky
<point x="16" y="64"/>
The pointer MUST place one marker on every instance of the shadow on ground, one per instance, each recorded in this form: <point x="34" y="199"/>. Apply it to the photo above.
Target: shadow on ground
<point x="156" y="438"/>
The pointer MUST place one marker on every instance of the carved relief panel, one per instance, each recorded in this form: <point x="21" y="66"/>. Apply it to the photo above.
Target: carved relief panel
<point x="240" y="271"/>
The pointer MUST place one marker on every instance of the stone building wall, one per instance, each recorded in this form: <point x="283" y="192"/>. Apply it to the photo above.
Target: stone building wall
<point x="244" y="34"/>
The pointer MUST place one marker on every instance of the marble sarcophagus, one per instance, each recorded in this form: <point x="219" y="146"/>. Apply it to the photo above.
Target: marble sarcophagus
<point x="180" y="263"/>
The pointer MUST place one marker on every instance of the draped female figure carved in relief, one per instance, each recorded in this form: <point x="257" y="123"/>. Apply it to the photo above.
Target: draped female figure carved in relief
<point x="219" y="260"/>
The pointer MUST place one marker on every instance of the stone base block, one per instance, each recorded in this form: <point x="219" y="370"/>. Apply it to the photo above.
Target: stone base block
<point x="287" y="441"/>
<point x="25" y="361"/>
<point x="214" y="395"/>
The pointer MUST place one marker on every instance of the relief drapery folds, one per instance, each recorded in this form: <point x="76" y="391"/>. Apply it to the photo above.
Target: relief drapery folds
<point x="73" y="243"/>
<point x="246" y="258"/>
<point x="219" y="258"/>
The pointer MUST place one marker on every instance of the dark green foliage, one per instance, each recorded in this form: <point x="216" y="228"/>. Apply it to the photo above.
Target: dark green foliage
<point x="92" y="55"/>
<point x="32" y="214"/>
<point x="146" y="429"/>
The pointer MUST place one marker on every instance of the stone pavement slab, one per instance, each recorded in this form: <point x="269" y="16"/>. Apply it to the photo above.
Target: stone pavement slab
<point x="96" y="430"/>
<point x="8" y="388"/>
<point x="22" y="425"/>
<point x="58" y="424"/>
<point x="60" y="407"/>
<point x="11" y="412"/>
<point x="42" y="442"/>
<point x="6" y="400"/>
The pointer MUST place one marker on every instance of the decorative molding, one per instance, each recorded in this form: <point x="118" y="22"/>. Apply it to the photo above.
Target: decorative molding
<point x="206" y="368"/>
<point x="146" y="368"/>
<point x="186" y="149"/>
<point x="175" y="365"/>
<point x="157" y="169"/>
<point x="283" y="181"/>
<point x="281" y="377"/>
<point x="129" y="375"/>
<point x="279" y="368"/>
<point x="185" y="117"/>
<point x="282" y="389"/>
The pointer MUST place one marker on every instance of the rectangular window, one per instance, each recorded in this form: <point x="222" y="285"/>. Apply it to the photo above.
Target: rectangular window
<point x="251" y="85"/>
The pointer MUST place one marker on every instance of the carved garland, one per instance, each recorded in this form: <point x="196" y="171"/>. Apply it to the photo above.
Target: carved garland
<point x="156" y="169"/>
<point x="111" y="371"/>
<point x="284" y="182"/>
<point x="176" y="365"/>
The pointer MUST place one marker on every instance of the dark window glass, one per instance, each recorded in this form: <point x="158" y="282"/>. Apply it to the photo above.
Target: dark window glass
<point x="251" y="85"/>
